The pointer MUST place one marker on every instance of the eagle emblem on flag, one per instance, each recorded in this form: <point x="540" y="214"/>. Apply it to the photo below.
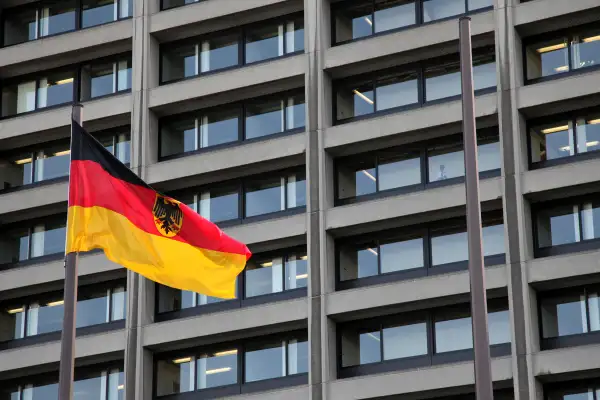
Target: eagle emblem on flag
<point x="168" y="217"/>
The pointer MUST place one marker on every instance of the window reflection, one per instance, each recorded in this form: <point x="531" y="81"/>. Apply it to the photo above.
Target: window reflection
<point x="571" y="313"/>
<point x="568" y="223"/>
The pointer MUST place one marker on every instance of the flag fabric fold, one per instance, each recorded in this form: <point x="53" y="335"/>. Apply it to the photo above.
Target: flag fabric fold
<point x="112" y="209"/>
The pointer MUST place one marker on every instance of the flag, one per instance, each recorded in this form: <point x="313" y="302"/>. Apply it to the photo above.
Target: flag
<point x="112" y="209"/>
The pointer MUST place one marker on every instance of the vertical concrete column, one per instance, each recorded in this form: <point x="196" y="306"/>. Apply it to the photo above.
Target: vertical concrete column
<point x="512" y="134"/>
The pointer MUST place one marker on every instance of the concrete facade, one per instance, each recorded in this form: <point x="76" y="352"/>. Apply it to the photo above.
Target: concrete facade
<point x="322" y="223"/>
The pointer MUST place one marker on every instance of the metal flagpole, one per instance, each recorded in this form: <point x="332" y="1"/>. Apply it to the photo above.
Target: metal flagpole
<point x="483" y="369"/>
<point x="67" y="350"/>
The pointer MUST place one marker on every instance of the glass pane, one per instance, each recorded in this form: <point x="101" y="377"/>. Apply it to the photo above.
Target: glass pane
<point x="92" y="308"/>
<point x="218" y="53"/>
<point x="399" y="256"/>
<point x="52" y="163"/>
<point x="588" y="134"/>
<point x="119" y="303"/>
<point x="98" y="80"/>
<point x="453" y="334"/>
<point x="550" y="142"/>
<point x="178" y="136"/>
<point x="594" y="306"/>
<point x="393" y="14"/>
<point x="19" y="98"/>
<point x="357" y="178"/>
<point x="354" y="101"/>
<point x="40" y="392"/>
<point x="585" y="50"/>
<point x="264" y="118"/>
<point x="449" y="248"/>
<point x="296" y="191"/>
<point x="264" y="196"/>
<point x="478" y="4"/>
<point x="493" y="240"/>
<point x="445" y="162"/>
<point x="57" y="18"/>
<point x="89" y="389"/>
<point x="48" y="239"/>
<point x="123" y="152"/>
<point x="360" y="347"/>
<point x="45" y="318"/>
<point x="370" y="347"/>
<point x="116" y="385"/>
<point x="499" y="327"/>
<point x="548" y="58"/>
<point x="444" y="80"/>
<point x="55" y="89"/>
<point x="221" y="204"/>
<point x="178" y="62"/>
<point x="296" y="272"/>
<point x="404" y="341"/>
<point x="12" y="320"/>
<point x="96" y="12"/>
<point x="564" y="315"/>
<point x="295" y="112"/>
<point x="217" y="369"/>
<point x="297" y="356"/>
<point x="124" y="75"/>
<point x="10" y="392"/>
<point x="397" y="91"/>
<point x="358" y="261"/>
<point x="15" y="171"/>
<point x="175" y="376"/>
<point x="294" y="36"/>
<point x="15" y="245"/>
<point x="176" y="3"/>
<point x="219" y="127"/>
<point x="126" y="9"/>
<point x="170" y="299"/>
<point x="264" y="43"/>
<point x="399" y="171"/>
<point x="264" y="276"/>
<point x="488" y="156"/>
<point x="572" y="394"/>
<point x="559" y="225"/>
<point x="20" y="27"/>
<point x="484" y="75"/>
<point x="264" y="361"/>
<point x="353" y="22"/>
<point x="438" y="9"/>
<point x="590" y="220"/>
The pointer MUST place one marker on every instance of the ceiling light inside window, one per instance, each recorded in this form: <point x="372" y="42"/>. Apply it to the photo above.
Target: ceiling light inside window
<point x="56" y="303"/>
<point x="62" y="153"/>
<point x="362" y="96"/>
<point x="217" y="370"/>
<point x="226" y="353"/>
<point x="591" y="39"/>
<point x="555" y="129"/>
<point x="16" y="310"/>
<point x="373" y="251"/>
<point x="267" y="264"/>
<point x="369" y="175"/>
<point x="562" y="69"/>
<point x="63" y="81"/>
<point x="369" y="21"/>
<point x="594" y="121"/>
<point x="303" y="276"/>
<point x="23" y="161"/>
<point x="552" y="48"/>
<point x="182" y="360"/>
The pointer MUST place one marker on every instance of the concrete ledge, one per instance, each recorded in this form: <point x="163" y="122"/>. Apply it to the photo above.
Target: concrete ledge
<point x="407" y="40"/>
<point x="417" y="380"/>
<point x="232" y="157"/>
<point x="68" y="42"/>
<point x="533" y="11"/>
<point x="430" y="287"/>
<point x="560" y="176"/>
<point x="406" y="121"/>
<point x="244" y="77"/>
<point x="558" y="90"/>
<point x="33" y="197"/>
<point x="59" y="117"/>
<point x="85" y="346"/>
<point x="565" y="360"/>
<point x="408" y="204"/>
<point x="563" y="266"/>
<point x="45" y="272"/>
<point x="222" y="323"/>
<point x="271" y="229"/>
<point x="294" y="393"/>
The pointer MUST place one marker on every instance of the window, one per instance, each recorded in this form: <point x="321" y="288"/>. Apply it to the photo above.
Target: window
<point x="218" y="368"/>
<point x="369" y="17"/>
<point x="566" y="223"/>
<point x="412" y="167"/>
<point x="97" y="304"/>
<point x="230" y="49"/>
<point x="89" y="383"/>
<point x="567" y="313"/>
<point x="224" y="125"/>
<point x="549" y="57"/>
<point x="51" y="161"/>
<point x="273" y="273"/>
<point x="166" y="4"/>
<point x="422" y="250"/>
<point x="400" y="87"/>
<point x="33" y="22"/>
<point x="573" y="390"/>
<point x="553" y="142"/>
<point x="26" y="242"/>
<point x="402" y="341"/>
<point x="104" y="78"/>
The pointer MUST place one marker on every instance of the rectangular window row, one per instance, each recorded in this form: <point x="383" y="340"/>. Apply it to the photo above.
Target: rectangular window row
<point x="415" y="251"/>
<point x="231" y="369"/>
<point x="358" y="19"/>
<point x="246" y="45"/>
<point x="410" y="85"/>
<point x="417" y="339"/>
<point x="573" y="390"/>
<point x="415" y="167"/>
<point x="47" y="162"/>
<point x="86" y="81"/>
<point x="42" y="314"/>
<point x="267" y="276"/>
<point x="252" y="119"/>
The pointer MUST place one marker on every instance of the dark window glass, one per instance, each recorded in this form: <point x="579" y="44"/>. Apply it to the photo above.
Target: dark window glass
<point x="571" y="313"/>
<point x="294" y="36"/>
<point x="356" y="178"/>
<point x="438" y="9"/>
<point x="48" y="239"/>
<point x="179" y="62"/>
<point x="452" y="247"/>
<point x="275" y="359"/>
<point x="38" y="240"/>
<point x="401" y="255"/>
<point x="20" y="27"/>
<point x="175" y="376"/>
<point x="264" y="196"/>
<point x="264" y="119"/>
<point x="360" y="346"/>
<point x="123" y="150"/>
<point x="393" y="14"/>
<point x="16" y="171"/>
<point x="178" y="136"/>
<point x="295" y="112"/>
<point x="55" y="89"/>
<point x="453" y="332"/>
<point x="176" y="3"/>
<point x="51" y="163"/>
<point x="355" y="100"/>
<point x="558" y="225"/>
<point x="220" y="204"/>
<point x="586" y="50"/>
<point x="404" y="340"/>
<point x="57" y="18"/>
<point x="574" y="394"/>
<point x="275" y="274"/>
<point x="478" y="4"/>
<point x="396" y="91"/>
<point x="444" y="80"/>
<point x="296" y="271"/>
<point x="217" y="369"/>
<point x="218" y="127"/>
<point x="588" y="133"/>
<point x="218" y="53"/>
<point x="96" y="12"/>
<point x="353" y="22"/>
<point x="18" y="98"/>
<point x="264" y="43"/>
<point x="15" y="245"/>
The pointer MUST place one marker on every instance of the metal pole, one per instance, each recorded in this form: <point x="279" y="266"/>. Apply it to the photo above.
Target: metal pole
<point x="481" y="346"/>
<point x="67" y="350"/>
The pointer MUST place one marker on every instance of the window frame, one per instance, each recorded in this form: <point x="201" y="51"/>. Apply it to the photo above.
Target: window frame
<point x="162" y="8"/>
<point x="419" y="68"/>
<point x="241" y="387"/>
<point x="420" y="148"/>
<point x="423" y="231"/>
<point x="432" y="357"/>
<point x="570" y="116"/>
<point x="41" y="3"/>
<point x="240" y="32"/>
<point x="567" y="34"/>
<point x="335" y="6"/>
<point x="567" y="385"/>
<point x="77" y="77"/>
<point x="240" y="106"/>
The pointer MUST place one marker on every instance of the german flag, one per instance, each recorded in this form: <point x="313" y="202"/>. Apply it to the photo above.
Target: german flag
<point x="111" y="208"/>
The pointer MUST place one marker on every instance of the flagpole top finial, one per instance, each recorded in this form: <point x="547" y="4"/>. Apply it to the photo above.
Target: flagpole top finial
<point x="464" y="18"/>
